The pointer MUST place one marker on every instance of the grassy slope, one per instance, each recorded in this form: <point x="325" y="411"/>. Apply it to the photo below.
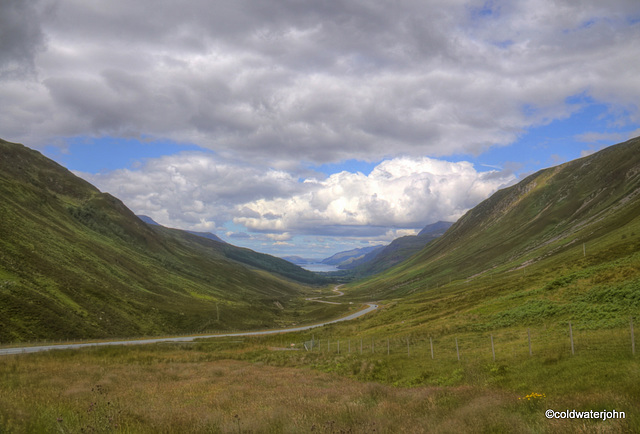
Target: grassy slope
<point x="539" y="224"/>
<point x="245" y="256"/>
<point x="75" y="262"/>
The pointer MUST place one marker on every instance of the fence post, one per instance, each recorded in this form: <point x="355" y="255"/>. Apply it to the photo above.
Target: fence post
<point x="571" y="338"/>
<point x="431" y="343"/>
<point x="493" y="351"/>
<point x="457" y="350"/>
<point x="633" y="339"/>
<point x="529" y="337"/>
<point x="361" y="346"/>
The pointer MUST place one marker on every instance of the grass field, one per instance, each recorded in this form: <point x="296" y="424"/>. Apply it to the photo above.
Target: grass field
<point x="256" y="385"/>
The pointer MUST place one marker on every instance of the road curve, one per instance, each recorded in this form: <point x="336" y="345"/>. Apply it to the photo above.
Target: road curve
<point x="335" y="289"/>
<point x="22" y="350"/>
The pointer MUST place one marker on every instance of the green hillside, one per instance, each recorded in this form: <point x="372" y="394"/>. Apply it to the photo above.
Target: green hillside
<point x="245" y="256"/>
<point x="76" y="263"/>
<point x="562" y="244"/>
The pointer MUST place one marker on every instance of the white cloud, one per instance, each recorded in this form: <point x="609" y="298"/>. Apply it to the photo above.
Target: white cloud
<point x="195" y="190"/>
<point x="284" y="82"/>
<point x="192" y="190"/>
<point x="400" y="193"/>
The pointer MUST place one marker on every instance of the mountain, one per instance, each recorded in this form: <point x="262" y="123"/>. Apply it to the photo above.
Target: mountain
<point x="208" y="235"/>
<point x="435" y="229"/>
<point x="75" y="262"/>
<point x="249" y="257"/>
<point x="298" y="260"/>
<point x="245" y="256"/>
<point x="398" y="250"/>
<point x="553" y="225"/>
<point x="343" y="259"/>
<point x="369" y="255"/>
<point x="148" y="220"/>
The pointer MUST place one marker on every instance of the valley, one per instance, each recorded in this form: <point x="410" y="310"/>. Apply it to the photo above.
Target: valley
<point x="527" y="303"/>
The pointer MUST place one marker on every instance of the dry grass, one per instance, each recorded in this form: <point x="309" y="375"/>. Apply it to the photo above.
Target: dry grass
<point x="146" y="390"/>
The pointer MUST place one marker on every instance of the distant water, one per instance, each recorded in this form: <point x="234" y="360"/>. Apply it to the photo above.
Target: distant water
<point x="318" y="267"/>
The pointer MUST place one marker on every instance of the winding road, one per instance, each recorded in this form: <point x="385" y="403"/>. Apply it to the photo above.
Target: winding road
<point x="335" y="289"/>
<point x="21" y="350"/>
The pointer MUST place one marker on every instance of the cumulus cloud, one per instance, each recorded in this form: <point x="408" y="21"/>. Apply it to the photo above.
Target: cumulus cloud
<point x="401" y="193"/>
<point x="197" y="190"/>
<point x="289" y="81"/>
<point x="193" y="190"/>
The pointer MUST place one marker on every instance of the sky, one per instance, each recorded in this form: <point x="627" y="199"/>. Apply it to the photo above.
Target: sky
<point x="309" y="127"/>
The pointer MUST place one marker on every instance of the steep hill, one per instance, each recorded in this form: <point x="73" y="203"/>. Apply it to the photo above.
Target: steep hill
<point x="75" y="262"/>
<point x="560" y="237"/>
<point x="246" y="256"/>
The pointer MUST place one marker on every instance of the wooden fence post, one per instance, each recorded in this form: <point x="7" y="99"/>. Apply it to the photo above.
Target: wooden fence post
<point x="571" y="338"/>
<point x="431" y="343"/>
<point x="493" y="351"/>
<point x="360" y="345"/>
<point x="633" y="339"/>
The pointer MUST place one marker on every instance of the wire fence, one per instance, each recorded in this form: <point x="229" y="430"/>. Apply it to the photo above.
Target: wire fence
<point x="547" y="341"/>
<point x="556" y="341"/>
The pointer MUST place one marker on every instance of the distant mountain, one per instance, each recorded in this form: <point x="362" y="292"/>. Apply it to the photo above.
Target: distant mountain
<point x="148" y="220"/>
<point x="343" y="259"/>
<point x="435" y="229"/>
<point x="397" y="251"/>
<point x="208" y="235"/>
<point x="75" y="262"/>
<point x="298" y="260"/>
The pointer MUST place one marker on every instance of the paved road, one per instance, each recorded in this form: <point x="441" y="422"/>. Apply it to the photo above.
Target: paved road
<point x="21" y="350"/>
<point x="336" y="290"/>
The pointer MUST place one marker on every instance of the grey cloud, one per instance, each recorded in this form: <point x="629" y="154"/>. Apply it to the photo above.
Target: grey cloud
<point x="21" y="37"/>
<point x="370" y="232"/>
<point x="290" y="81"/>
